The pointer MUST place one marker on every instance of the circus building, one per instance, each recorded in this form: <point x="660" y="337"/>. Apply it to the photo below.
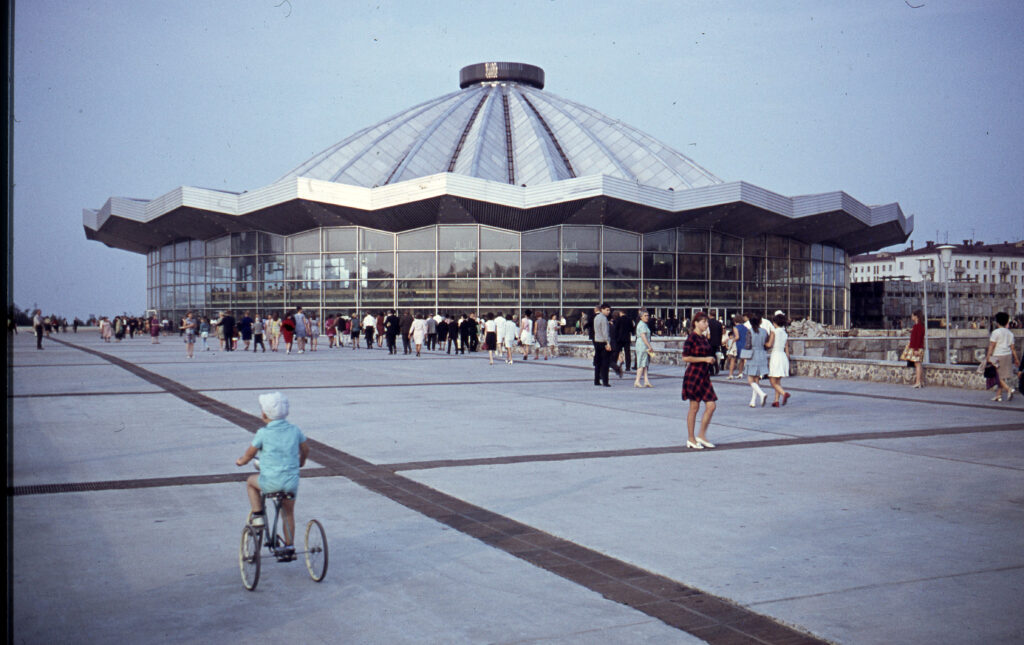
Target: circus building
<point x="500" y="196"/>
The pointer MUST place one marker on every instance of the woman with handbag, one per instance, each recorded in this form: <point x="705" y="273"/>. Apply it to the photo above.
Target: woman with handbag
<point x="756" y="365"/>
<point x="914" y="351"/>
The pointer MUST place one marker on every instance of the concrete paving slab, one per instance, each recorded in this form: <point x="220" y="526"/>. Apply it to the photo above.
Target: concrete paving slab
<point x="160" y="566"/>
<point x="855" y="495"/>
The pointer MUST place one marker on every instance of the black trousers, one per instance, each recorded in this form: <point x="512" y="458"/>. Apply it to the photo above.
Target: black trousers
<point x="392" y="346"/>
<point x="626" y="357"/>
<point x="602" y="361"/>
<point x="406" y="348"/>
<point x="369" y="337"/>
<point x="39" y="337"/>
<point x="258" y="342"/>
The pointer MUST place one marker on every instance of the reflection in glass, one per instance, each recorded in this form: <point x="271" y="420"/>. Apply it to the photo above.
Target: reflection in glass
<point x="270" y="243"/>
<point x="456" y="264"/>
<point x="778" y="270"/>
<point x="499" y="292"/>
<point x="419" y="240"/>
<point x="197" y="248"/>
<point x="693" y="241"/>
<point x="218" y="269"/>
<point x="499" y="264"/>
<point x="540" y="293"/>
<point x="540" y="264"/>
<point x="777" y="247"/>
<point x="726" y="294"/>
<point x="458" y="238"/>
<point x="725" y="267"/>
<point x="622" y="292"/>
<point x="545" y="239"/>
<point x="244" y="267"/>
<point x="584" y="238"/>
<point x="659" y="266"/>
<point x="416" y="294"/>
<point x="416" y="265"/>
<point x="587" y="292"/>
<point x="340" y="239"/>
<point x="692" y="294"/>
<point x="302" y="267"/>
<point x="662" y="241"/>
<point x="621" y="265"/>
<point x="659" y="293"/>
<point x="377" y="293"/>
<point x="494" y="239"/>
<point x="615" y="240"/>
<point x="376" y="240"/>
<point x="219" y="247"/>
<point x="340" y="266"/>
<point x="576" y="264"/>
<point x="693" y="267"/>
<point x="245" y="243"/>
<point x="272" y="298"/>
<point x="340" y="294"/>
<point x="754" y="246"/>
<point x="377" y="265"/>
<point x="754" y="270"/>
<point x="197" y="270"/>
<point x="721" y="243"/>
<point x="456" y="295"/>
<point x="308" y="242"/>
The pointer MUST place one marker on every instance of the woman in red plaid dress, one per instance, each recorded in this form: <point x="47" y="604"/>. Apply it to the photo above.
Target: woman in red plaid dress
<point x="697" y="386"/>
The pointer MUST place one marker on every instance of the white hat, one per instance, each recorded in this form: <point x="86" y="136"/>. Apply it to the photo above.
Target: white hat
<point x="274" y="405"/>
<point x="779" y="312"/>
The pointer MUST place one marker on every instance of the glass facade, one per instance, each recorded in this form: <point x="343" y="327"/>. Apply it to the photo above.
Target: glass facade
<point x="475" y="268"/>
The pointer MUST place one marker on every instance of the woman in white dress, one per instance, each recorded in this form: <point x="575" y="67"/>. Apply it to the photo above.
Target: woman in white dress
<point x="418" y="332"/>
<point x="526" y="334"/>
<point x="553" y="327"/>
<point x="778" y="361"/>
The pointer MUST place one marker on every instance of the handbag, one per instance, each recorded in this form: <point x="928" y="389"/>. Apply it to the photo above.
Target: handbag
<point x="748" y="347"/>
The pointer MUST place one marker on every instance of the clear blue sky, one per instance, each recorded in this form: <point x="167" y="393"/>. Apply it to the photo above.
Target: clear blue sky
<point x="884" y="101"/>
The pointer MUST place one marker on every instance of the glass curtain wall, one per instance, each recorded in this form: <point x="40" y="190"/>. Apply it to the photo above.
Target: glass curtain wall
<point x="475" y="268"/>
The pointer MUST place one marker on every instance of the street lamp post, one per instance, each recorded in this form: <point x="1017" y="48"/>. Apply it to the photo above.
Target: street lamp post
<point x="927" y="272"/>
<point x="946" y="257"/>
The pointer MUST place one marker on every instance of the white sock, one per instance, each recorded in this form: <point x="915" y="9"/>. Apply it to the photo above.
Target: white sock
<point x="757" y="389"/>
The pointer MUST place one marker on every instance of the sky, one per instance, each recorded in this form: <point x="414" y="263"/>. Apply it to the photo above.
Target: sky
<point x="890" y="103"/>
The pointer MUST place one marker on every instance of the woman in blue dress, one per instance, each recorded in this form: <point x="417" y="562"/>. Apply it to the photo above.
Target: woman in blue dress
<point x="643" y="350"/>
<point x="757" y="365"/>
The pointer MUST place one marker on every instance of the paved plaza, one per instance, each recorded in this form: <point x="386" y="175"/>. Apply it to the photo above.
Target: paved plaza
<point x="469" y="503"/>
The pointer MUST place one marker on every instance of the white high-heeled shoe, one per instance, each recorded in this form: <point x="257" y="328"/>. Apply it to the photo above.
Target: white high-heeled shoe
<point x="694" y="445"/>
<point x="705" y="442"/>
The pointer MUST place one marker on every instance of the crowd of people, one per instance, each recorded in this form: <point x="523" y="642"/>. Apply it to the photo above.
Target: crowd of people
<point x="296" y="332"/>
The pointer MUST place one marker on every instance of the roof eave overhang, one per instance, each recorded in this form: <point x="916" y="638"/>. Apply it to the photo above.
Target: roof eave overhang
<point x="294" y="205"/>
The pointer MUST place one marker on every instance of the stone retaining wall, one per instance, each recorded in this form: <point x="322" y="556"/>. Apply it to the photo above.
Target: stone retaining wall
<point x="855" y="369"/>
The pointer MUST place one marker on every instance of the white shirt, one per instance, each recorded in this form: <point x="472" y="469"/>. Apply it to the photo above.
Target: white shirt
<point x="369" y="321"/>
<point x="499" y="327"/>
<point x="1003" y="338"/>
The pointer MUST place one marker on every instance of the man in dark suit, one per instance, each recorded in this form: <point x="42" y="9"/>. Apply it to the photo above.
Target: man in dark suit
<point x="227" y="325"/>
<point x="715" y="338"/>
<point x="404" y="327"/>
<point x="391" y="329"/>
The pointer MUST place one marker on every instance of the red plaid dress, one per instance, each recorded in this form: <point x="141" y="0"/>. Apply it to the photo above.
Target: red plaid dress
<point x="697" y="379"/>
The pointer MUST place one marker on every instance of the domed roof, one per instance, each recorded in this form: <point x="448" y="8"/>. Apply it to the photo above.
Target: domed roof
<point x="502" y="126"/>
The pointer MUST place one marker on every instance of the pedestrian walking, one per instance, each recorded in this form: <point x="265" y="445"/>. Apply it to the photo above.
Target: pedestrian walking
<point x="778" y="360"/>
<point x="757" y="365"/>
